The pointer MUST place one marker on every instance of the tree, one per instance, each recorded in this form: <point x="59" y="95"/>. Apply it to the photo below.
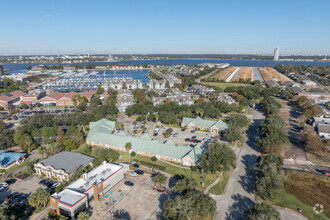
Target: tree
<point x="18" y="136"/>
<point x="193" y="203"/>
<point x="99" y="90"/>
<point x="9" y="212"/>
<point x="82" y="106"/>
<point x="83" y="216"/>
<point x="38" y="198"/>
<point x="128" y="147"/>
<point x="159" y="179"/>
<point x="2" y="125"/>
<point x="270" y="176"/>
<point x="232" y="133"/>
<point x="59" y="135"/>
<point x="69" y="144"/>
<point x="313" y="143"/>
<point x="184" y="184"/>
<point x="104" y="154"/>
<point x="26" y="142"/>
<point x="218" y="157"/>
<point x="263" y="211"/>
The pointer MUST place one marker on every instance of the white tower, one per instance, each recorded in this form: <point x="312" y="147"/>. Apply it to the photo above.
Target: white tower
<point x="276" y="54"/>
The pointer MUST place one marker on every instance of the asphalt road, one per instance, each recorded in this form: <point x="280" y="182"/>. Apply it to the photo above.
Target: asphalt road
<point x="239" y="193"/>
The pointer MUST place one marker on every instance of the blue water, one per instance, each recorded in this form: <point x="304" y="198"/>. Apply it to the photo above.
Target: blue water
<point x="256" y="75"/>
<point x="135" y="74"/>
<point x="18" y="67"/>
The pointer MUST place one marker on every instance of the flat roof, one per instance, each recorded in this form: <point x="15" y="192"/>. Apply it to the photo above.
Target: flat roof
<point x="100" y="173"/>
<point x="69" y="197"/>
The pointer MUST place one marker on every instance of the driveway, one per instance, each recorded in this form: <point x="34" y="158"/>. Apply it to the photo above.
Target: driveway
<point x="239" y="192"/>
<point x="295" y="148"/>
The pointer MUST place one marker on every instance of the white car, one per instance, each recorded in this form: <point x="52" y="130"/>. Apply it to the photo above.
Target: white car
<point x="133" y="174"/>
<point x="56" y="185"/>
<point x="4" y="184"/>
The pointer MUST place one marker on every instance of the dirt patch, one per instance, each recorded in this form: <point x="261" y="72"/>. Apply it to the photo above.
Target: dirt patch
<point x="224" y="74"/>
<point x="244" y="73"/>
<point x="270" y="73"/>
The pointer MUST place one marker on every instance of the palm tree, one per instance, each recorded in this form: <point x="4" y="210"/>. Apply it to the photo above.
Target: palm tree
<point x="83" y="216"/>
<point x="128" y="147"/>
<point x="28" y="141"/>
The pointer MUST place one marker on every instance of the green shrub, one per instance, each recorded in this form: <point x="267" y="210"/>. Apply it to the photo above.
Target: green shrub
<point x="133" y="154"/>
<point x="152" y="165"/>
<point x="193" y="168"/>
<point x="154" y="158"/>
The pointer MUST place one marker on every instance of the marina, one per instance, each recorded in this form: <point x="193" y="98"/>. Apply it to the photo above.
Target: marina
<point x="90" y="80"/>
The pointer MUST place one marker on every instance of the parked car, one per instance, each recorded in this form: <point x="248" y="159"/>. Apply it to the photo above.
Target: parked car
<point x="133" y="174"/>
<point x="129" y="183"/>
<point x="191" y="140"/>
<point x="42" y="181"/>
<point x="175" y="134"/>
<point x="183" y="129"/>
<point x="156" y="130"/>
<point x="145" y="132"/>
<point x="155" y="134"/>
<point x="20" y="198"/>
<point x="13" y="195"/>
<point x="187" y="139"/>
<point x="204" y="139"/>
<point x="136" y="165"/>
<point x="4" y="185"/>
<point x="11" y="181"/>
<point x="193" y="137"/>
<point x="140" y="172"/>
<point x="2" y="188"/>
<point x="193" y="131"/>
<point x="56" y="185"/>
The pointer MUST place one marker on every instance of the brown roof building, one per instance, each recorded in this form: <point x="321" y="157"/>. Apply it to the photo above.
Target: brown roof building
<point x="7" y="101"/>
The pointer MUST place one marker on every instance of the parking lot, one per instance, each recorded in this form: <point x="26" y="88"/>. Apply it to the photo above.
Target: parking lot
<point x="24" y="187"/>
<point x="138" y="202"/>
<point x="151" y="126"/>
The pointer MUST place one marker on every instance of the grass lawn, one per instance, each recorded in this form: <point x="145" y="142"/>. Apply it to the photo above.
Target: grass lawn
<point x="173" y="170"/>
<point x="318" y="160"/>
<point x="289" y="201"/>
<point x="309" y="188"/>
<point x="224" y="85"/>
<point x="11" y="169"/>
<point x="220" y="186"/>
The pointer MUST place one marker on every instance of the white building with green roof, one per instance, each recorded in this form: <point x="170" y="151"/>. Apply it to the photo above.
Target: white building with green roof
<point x="204" y="125"/>
<point x="101" y="134"/>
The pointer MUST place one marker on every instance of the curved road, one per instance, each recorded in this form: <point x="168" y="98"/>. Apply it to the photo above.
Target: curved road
<point x="239" y="193"/>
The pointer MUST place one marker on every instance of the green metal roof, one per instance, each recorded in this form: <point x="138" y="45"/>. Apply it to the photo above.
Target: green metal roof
<point x="198" y="122"/>
<point x="100" y="133"/>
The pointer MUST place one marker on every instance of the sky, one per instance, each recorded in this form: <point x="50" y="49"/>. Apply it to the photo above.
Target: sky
<point x="43" y="27"/>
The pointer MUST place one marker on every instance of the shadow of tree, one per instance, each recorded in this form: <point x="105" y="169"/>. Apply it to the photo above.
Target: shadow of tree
<point x="121" y="214"/>
<point x="239" y="207"/>
<point x="247" y="181"/>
